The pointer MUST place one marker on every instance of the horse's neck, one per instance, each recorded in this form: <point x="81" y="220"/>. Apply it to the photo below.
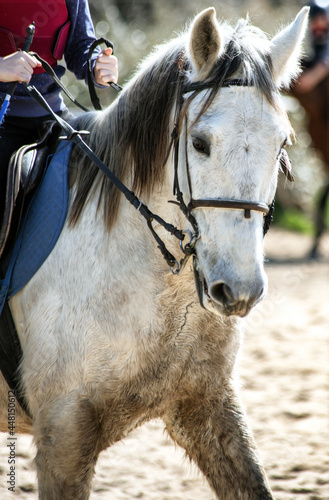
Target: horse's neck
<point x="129" y="247"/>
<point x="128" y="254"/>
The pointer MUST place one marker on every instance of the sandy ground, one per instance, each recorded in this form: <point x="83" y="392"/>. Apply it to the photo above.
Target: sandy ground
<point x="284" y="370"/>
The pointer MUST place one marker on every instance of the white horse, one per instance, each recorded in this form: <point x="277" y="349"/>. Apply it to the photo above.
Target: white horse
<point x="110" y="337"/>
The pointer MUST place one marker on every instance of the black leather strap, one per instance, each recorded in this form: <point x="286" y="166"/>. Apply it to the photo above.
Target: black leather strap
<point x="192" y="87"/>
<point x="247" y="206"/>
<point x="49" y="70"/>
<point x="91" y="84"/>
<point x="75" y="136"/>
<point x="11" y="355"/>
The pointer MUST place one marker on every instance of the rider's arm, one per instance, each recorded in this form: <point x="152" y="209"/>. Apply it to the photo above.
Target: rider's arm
<point x="82" y="35"/>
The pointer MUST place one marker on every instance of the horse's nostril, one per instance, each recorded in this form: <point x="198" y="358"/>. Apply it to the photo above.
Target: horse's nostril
<point x="223" y="294"/>
<point x="220" y="292"/>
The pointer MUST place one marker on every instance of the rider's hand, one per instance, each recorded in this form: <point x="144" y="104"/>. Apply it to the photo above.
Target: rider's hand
<point x="17" y="67"/>
<point x="106" y="68"/>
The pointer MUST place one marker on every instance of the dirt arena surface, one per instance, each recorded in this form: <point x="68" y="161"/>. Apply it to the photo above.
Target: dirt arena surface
<point x="284" y="387"/>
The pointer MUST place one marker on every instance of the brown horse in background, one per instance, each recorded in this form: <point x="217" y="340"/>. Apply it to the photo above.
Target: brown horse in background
<point x="316" y="105"/>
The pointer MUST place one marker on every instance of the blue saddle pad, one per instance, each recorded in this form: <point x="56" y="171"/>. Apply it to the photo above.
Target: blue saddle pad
<point x="42" y="224"/>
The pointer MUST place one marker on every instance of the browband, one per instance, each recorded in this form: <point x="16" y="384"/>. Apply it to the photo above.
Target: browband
<point x="191" y="87"/>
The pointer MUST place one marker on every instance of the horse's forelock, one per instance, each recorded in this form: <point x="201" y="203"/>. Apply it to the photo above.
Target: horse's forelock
<point x="132" y="137"/>
<point x="246" y="58"/>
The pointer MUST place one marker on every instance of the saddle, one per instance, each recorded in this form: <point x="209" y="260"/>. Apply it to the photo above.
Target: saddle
<point x="25" y="172"/>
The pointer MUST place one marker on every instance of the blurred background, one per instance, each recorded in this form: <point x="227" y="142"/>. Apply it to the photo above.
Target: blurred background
<point x="135" y="27"/>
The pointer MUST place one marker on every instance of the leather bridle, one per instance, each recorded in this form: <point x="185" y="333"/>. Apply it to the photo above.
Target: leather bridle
<point x="231" y="204"/>
<point x="189" y="248"/>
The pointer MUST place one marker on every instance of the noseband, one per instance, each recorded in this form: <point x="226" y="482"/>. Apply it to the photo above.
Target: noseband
<point x="231" y="204"/>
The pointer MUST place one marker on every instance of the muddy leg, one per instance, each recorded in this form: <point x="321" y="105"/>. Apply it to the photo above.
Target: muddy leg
<point x="67" y="435"/>
<point x="216" y="437"/>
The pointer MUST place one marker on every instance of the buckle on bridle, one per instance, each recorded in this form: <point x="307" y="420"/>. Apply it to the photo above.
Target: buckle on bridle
<point x="187" y="250"/>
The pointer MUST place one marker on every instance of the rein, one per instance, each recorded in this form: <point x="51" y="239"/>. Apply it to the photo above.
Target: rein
<point x="188" y="249"/>
<point x="75" y="136"/>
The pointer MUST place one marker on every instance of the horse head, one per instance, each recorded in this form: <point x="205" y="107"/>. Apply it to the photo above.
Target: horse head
<point x="232" y="131"/>
<point x="216" y="88"/>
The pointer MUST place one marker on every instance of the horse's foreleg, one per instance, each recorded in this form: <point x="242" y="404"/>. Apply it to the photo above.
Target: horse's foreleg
<point x="67" y="436"/>
<point x="215" y="436"/>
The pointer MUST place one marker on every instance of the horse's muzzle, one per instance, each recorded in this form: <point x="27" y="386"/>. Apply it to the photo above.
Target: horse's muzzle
<point x="223" y="298"/>
<point x="233" y="302"/>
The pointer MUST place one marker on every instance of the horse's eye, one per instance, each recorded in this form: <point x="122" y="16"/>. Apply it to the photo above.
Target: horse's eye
<point x="200" y="145"/>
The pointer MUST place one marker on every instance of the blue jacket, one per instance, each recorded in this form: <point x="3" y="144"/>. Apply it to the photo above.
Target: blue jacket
<point x="80" y="38"/>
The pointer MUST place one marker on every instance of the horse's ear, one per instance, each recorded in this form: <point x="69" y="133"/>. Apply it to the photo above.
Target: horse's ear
<point x="286" y="49"/>
<point x="204" y="43"/>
